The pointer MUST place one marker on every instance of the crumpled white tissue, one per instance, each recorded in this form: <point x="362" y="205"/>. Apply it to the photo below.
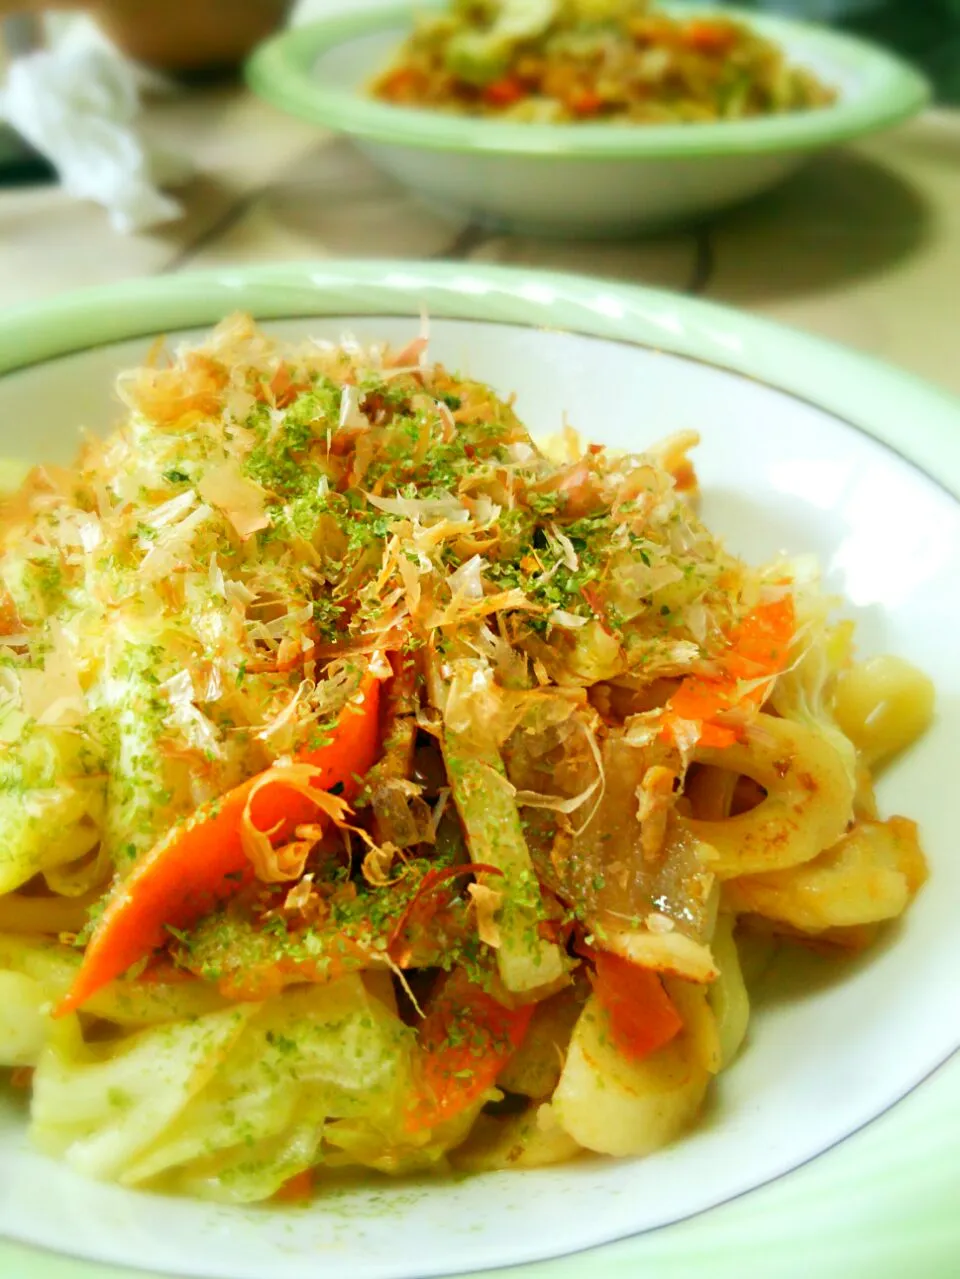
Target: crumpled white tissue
<point x="77" y="107"/>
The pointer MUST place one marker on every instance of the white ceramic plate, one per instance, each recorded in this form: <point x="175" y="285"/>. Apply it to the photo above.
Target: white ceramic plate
<point x="867" y="476"/>
<point x="582" y="179"/>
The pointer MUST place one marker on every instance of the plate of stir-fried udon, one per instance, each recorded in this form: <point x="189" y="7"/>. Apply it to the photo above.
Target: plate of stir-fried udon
<point x="426" y="744"/>
<point x="582" y="117"/>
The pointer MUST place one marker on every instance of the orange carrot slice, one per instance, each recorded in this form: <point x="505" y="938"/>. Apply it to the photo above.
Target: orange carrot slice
<point x="759" y="649"/>
<point x="298" y="1190"/>
<point x="430" y="899"/>
<point x="466" y="1039"/>
<point x="762" y="643"/>
<point x="504" y="93"/>
<point x="642" y="1015"/>
<point x="404" y="82"/>
<point x="201" y="862"/>
<point x="709" y="37"/>
<point x="585" y="102"/>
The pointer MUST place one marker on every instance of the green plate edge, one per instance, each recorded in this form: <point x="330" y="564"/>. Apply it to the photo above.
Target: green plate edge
<point x="884" y="1203"/>
<point x="280" y="71"/>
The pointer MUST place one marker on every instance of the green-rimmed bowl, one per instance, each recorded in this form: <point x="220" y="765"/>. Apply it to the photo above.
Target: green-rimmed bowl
<point x="830" y="1145"/>
<point x="583" y="179"/>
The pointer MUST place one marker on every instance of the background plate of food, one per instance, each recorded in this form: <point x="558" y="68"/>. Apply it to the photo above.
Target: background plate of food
<point x="577" y="119"/>
<point x="642" y="769"/>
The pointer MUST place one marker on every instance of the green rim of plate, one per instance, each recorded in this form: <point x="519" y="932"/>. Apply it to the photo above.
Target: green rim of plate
<point x="865" y="392"/>
<point x="882" y="1202"/>
<point x="281" y="72"/>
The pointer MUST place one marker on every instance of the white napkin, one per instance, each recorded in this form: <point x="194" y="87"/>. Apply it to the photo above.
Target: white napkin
<point x="77" y="106"/>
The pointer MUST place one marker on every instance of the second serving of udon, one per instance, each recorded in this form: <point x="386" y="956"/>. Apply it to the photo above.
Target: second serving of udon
<point x="382" y="789"/>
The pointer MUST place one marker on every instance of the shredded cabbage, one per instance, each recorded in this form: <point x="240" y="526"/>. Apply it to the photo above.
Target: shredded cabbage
<point x="230" y="1105"/>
